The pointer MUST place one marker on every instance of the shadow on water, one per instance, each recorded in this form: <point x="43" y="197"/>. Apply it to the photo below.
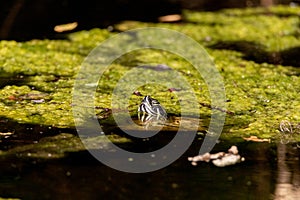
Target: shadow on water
<point x="10" y="78"/>
<point x="14" y="134"/>
<point x="269" y="168"/>
<point x="20" y="79"/>
<point x="257" y="53"/>
<point x="13" y="79"/>
<point x="25" y="20"/>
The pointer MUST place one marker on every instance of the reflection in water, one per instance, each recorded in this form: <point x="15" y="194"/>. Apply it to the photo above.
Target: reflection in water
<point x="269" y="171"/>
<point x="80" y="176"/>
<point x="288" y="176"/>
<point x="150" y="121"/>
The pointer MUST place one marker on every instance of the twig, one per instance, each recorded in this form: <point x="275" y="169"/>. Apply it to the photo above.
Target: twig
<point x="216" y="108"/>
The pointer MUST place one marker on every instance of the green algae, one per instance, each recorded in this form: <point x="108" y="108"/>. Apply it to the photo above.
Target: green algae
<point x="260" y="91"/>
<point x="254" y="50"/>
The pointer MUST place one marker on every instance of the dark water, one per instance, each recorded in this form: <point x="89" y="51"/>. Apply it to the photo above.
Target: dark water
<point x="25" y="20"/>
<point x="269" y="170"/>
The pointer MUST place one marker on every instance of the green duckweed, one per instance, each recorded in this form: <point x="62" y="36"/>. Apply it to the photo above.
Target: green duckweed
<point x="254" y="50"/>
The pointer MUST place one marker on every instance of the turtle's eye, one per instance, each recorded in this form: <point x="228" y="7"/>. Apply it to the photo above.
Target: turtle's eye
<point x="155" y="102"/>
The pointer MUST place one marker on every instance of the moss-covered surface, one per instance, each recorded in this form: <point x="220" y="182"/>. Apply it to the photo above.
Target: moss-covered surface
<point x="256" y="51"/>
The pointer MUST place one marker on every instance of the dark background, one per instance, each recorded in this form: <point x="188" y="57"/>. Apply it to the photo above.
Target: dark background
<point x="27" y="19"/>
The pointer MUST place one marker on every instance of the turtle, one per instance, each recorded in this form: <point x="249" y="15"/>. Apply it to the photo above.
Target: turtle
<point x="151" y="108"/>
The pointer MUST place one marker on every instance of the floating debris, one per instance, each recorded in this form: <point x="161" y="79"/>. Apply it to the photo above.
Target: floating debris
<point x="6" y="134"/>
<point x="137" y="93"/>
<point x="174" y="89"/>
<point x="228" y="159"/>
<point x="159" y="67"/>
<point x="220" y="159"/>
<point x="170" y="18"/>
<point x="216" y="108"/>
<point x="91" y="84"/>
<point x="256" y="139"/>
<point x="65" y="27"/>
<point x="33" y="96"/>
<point x="38" y="101"/>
